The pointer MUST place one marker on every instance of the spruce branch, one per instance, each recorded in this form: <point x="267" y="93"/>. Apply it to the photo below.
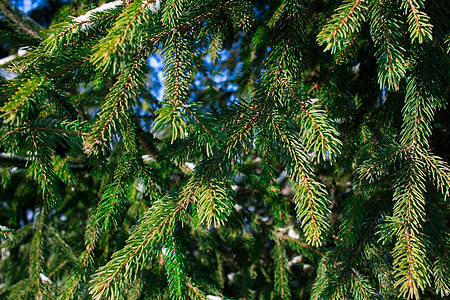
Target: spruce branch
<point x="361" y="288"/>
<point x="343" y="25"/>
<point x="322" y="141"/>
<point x="153" y="228"/>
<point x="175" y="269"/>
<point x="42" y="170"/>
<point x="239" y="157"/>
<point x="79" y="275"/>
<point x="440" y="269"/>
<point x="7" y="159"/>
<point x="125" y="28"/>
<point x="13" y="39"/>
<point x="418" y="113"/>
<point x="380" y="162"/>
<point x="212" y="199"/>
<point x="22" y="289"/>
<point x="115" y="114"/>
<point x="311" y="205"/>
<point x="310" y="197"/>
<point x="115" y="195"/>
<point x="282" y="270"/>
<point x="178" y="68"/>
<point x="19" y="105"/>
<point x="352" y="220"/>
<point x="411" y="266"/>
<point x="36" y="256"/>
<point x="391" y="62"/>
<point x="419" y="28"/>
<point x="438" y="169"/>
<point x="336" y="62"/>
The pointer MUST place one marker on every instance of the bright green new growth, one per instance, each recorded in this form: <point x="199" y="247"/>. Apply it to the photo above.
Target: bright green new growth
<point x="313" y="168"/>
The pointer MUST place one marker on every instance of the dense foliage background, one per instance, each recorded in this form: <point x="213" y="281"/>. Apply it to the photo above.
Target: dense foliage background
<point x="242" y="149"/>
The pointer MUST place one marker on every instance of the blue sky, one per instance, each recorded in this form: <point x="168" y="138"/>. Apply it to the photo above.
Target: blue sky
<point x="26" y="5"/>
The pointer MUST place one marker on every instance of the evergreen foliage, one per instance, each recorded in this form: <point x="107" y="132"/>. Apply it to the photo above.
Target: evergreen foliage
<point x="299" y="150"/>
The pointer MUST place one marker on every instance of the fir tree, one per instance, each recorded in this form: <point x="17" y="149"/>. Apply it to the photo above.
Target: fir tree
<point x="299" y="150"/>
